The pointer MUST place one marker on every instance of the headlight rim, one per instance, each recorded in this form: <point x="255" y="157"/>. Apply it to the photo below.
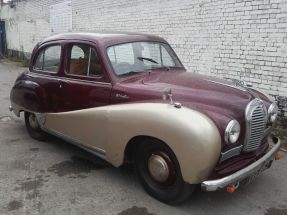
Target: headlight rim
<point x="228" y="129"/>
<point x="270" y="112"/>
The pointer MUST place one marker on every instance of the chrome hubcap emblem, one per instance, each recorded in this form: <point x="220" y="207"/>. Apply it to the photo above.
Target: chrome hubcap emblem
<point x="158" y="168"/>
<point x="33" y="121"/>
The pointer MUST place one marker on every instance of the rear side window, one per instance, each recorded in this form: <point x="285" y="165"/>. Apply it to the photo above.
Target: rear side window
<point x="49" y="59"/>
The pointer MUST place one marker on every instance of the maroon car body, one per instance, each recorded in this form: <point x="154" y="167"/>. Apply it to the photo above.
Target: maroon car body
<point x="220" y="100"/>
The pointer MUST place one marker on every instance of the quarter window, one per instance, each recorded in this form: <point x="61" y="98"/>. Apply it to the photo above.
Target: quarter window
<point x="49" y="59"/>
<point x="84" y="61"/>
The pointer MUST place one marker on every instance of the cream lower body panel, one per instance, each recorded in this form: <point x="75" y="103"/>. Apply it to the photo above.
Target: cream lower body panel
<point x="192" y="136"/>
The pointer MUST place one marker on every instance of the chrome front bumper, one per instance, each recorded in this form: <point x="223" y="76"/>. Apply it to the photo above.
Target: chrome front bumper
<point x="251" y="170"/>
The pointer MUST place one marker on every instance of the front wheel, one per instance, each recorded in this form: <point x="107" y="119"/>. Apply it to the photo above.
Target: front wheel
<point x="159" y="172"/>
<point x="34" y="128"/>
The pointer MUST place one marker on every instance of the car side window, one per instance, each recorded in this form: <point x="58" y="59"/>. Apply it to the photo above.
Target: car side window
<point x="49" y="59"/>
<point x="121" y="57"/>
<point x="84" y="61"/>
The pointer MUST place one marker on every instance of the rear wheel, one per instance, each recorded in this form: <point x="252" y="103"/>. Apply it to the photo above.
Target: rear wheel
<point x="159" y="172"/>
<point x="34" y="128"/>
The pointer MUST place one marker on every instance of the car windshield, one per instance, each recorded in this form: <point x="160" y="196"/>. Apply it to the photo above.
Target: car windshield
<point x="135" y="57"/>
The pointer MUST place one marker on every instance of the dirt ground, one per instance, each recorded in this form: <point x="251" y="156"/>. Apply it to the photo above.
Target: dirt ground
<point x="55" y="177"/>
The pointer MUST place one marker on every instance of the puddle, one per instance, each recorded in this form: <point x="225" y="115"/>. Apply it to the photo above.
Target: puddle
<point x="20" y="164"/>
<point x="14" y="205"/>
<point x="135" y="211"/>
<point x="276" y="211"/>
<point x="14" y="140"/>
<point x="31" y="187"/>
<point x="77" y="166"/>
<point x="34" y="149"/>
<point x="5" y="119"/>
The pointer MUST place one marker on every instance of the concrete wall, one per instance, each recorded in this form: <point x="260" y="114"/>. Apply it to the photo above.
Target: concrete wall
<point x="243" y="39"/>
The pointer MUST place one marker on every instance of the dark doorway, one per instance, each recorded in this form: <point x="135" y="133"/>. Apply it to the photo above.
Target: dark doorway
<point x="2" y="39"/>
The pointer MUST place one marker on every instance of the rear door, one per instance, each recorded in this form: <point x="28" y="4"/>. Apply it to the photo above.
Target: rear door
<point x="85" y="83"/>
<point x="44" y="71"/>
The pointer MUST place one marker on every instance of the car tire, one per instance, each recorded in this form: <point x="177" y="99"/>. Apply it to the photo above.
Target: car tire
<point x="159" y="172"/>
<point x="34" y="128"/>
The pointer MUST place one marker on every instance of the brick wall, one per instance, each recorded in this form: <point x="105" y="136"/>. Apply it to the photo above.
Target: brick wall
<point x="243" y="39"/>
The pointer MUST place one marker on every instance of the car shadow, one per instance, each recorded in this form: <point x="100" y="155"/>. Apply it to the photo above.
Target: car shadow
<point x="125" y="173"/>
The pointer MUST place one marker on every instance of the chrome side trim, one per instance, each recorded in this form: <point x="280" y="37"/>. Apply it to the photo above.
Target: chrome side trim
<point x="230" y="153"/>
<point x="228" y="85"/>
<point x="92" y="149"/>
<point x="76" y="79"/>
<point x="213" y="185"/>
<point x="122" y="96"/>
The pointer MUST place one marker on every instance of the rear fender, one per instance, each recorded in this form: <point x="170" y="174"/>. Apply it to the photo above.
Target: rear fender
<point x="25" y="96"/>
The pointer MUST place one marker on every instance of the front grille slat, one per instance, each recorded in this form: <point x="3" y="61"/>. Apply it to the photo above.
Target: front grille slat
<point x="255" y="133"/>
<point x="255" y="126"/>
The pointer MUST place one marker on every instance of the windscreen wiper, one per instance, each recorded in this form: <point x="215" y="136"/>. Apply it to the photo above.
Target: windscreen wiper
<point x="129" y="73"/>
<point x="153" y="61"/>
<point x="148" y="59"/>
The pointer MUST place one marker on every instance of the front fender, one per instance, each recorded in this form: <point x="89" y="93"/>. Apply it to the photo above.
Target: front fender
<point x="191" y="135"/>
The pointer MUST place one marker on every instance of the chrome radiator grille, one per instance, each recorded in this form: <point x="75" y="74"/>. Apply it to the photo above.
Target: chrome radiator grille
<point x="256" y="118"/>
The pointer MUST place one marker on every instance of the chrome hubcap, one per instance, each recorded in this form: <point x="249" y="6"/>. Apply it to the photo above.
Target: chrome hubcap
<point x="158" y="168"/>
<point x="33" y="121"/>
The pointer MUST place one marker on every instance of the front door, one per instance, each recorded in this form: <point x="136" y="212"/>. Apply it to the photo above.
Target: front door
<point x="83" y="85"/>
<point x="85" y="82"/>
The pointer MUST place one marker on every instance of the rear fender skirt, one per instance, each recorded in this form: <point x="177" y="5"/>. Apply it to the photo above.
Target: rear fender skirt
<point x="192" y="136"/>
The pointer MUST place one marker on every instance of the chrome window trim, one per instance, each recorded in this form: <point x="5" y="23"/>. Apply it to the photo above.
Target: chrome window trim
<point x="68" y="78"/>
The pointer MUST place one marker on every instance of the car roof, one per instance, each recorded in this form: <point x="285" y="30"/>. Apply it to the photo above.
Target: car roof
<point x="105" y="38"/>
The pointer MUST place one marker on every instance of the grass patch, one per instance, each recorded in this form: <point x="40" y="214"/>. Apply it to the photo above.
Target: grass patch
<point x="20" y="62"/>
<point x="282" y="134"/>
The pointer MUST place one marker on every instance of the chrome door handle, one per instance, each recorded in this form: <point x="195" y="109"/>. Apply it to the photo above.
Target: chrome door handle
<point x="61" y="83"/>
<point x="122" y="96"/>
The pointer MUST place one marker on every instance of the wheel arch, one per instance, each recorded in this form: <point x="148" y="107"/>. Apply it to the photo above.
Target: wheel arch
<point x="130" y="146"/>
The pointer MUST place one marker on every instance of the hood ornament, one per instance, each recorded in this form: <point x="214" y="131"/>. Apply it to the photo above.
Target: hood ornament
<point x="167" y="95"/>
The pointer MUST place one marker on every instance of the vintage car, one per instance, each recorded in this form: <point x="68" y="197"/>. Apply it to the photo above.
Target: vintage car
<point x="127" y="98"/>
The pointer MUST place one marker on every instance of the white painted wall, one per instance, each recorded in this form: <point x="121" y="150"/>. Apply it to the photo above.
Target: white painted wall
<point x="243" y="39"/>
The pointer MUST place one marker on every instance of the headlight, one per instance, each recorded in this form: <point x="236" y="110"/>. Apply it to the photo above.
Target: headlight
<point x="232" y="132"/>
<point x="272" y="112"/>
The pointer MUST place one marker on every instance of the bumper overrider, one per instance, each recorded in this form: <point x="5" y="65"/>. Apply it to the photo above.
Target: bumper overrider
<point x="248" y="173"/>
